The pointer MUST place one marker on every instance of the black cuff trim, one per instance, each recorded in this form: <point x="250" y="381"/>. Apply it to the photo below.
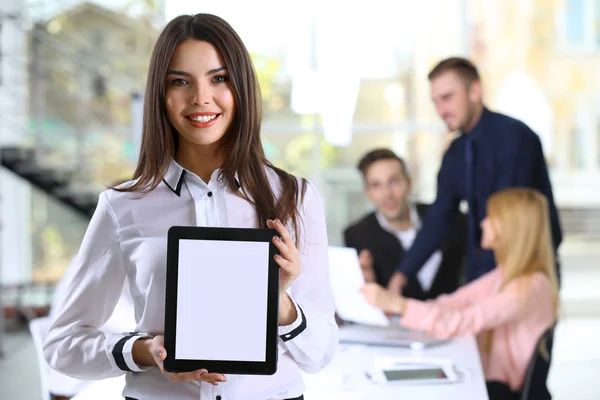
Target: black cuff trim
<point x="298" y="330"/>
<point x="117" y="353"/>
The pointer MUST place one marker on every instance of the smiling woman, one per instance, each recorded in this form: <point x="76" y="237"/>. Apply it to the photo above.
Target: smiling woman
<point x="200" y="67"/>
<point x="201" y="163"/>
<point x="199" y="100"/>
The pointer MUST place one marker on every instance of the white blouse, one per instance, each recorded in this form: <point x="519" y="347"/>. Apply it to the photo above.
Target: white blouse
<point x="127" y="238"/>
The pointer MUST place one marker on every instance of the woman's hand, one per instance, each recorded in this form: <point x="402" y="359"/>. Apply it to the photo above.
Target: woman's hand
<point x="289" y="257"/>
<point x="154" y="350"/>
<point x="384" y="299"/>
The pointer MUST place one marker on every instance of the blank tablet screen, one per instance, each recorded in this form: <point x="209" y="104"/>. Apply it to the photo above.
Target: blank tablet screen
<point x="222" y="300"/>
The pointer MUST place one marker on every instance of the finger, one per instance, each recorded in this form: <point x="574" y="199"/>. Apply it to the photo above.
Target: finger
<point x="286" y="265"/>
<point x="283" y="248"/>
<point x="158" y="349"/>
<point x="273" y="225"/>
<point x="160" y="353"/>
<point x="392" y="285"/>
<point x="186" y="376"/>
<point x="201" y="373"/>
<point x="283" y="232"/>
<point x="214" y="377"/>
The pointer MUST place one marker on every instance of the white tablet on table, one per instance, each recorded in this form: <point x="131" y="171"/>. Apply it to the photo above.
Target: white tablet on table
<point x="412" y="370"/>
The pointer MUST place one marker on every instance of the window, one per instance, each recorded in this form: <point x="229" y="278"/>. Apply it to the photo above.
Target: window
<point x="577" y="147"/>
<point x="597" y="23"/>
<point x="98" y="38"/>
<point x="575" y="27"/>
<point x="582" y="138"/>
<point x="581" y="25"/>
<point x="598" y="141"/>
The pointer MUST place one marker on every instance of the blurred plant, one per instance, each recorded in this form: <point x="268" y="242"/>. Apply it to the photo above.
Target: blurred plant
<point x="299" y="154"/>
<point x="267" y="70"/>
<point x="52" y="245"/>
<point x="271" y="151"/>
<point x="109" y="158"/>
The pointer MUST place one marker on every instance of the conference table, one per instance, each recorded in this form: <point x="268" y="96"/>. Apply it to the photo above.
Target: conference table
<point x="345" y="377"/>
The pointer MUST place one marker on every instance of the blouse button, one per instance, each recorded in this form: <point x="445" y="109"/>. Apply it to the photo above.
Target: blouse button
<point x="218" y="397"/>
<point x="210" y="195"/>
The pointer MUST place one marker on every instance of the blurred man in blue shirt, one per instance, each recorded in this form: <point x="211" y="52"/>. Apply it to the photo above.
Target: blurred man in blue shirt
<point x="493" y="152"/>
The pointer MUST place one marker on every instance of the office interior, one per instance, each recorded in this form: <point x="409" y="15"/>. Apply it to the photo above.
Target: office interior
<point x="337" y="79"/>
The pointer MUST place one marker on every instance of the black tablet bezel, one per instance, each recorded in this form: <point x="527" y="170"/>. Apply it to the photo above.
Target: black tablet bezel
<point x="177" y="233"/>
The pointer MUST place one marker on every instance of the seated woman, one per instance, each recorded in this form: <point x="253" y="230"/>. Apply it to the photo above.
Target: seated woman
<point x="510" y="307"/>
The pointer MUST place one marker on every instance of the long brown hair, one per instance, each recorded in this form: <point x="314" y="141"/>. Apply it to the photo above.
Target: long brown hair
<point x="241" y="147"/>
<point x="524" y="245"/>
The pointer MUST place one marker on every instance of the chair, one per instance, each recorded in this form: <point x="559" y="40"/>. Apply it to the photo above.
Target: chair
<point x="39" y="330"/>
<point x="534" y="385"/>
<point x="52" y="382"/>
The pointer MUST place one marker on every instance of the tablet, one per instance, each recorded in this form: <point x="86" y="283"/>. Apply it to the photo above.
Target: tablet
<point x="413" y="370"/>
<point x="222" y="300"/>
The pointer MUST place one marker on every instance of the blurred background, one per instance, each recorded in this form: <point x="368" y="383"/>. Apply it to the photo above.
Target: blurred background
<point x="337" y="79"/>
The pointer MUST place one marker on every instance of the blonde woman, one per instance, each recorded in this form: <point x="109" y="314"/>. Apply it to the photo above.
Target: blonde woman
<point x="510" y="307"/>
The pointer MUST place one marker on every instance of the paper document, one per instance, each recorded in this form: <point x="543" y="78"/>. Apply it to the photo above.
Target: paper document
<point x="346" y="281"/>
<point x="427" y="273"/>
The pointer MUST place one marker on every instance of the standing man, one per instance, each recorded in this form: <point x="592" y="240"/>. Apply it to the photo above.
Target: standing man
<point x="494" y="152"/>
<point x="383" y="237"/>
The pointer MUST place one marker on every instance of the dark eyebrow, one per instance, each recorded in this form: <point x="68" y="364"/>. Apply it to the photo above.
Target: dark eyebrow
<point x="211" y="72"/>
<point x="214" y="71"/>
<point x="179" y="73"/>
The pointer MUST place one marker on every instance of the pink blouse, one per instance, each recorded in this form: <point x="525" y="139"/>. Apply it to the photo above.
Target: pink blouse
<point x="518" y="315"/>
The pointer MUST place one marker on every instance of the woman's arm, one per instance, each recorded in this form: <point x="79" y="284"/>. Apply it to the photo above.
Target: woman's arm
<point x="312" y="338"/>
<point x="75" y="346"/>
<point x="524" y="295"/>
<point x="396" y="304"/>
<point x="471" y="292"/>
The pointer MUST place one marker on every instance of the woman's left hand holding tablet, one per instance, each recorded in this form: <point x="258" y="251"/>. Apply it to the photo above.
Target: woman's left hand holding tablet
<point x="152" y="352"/>
<point x="289" y="256"/>
<point x="290" y="265"/>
